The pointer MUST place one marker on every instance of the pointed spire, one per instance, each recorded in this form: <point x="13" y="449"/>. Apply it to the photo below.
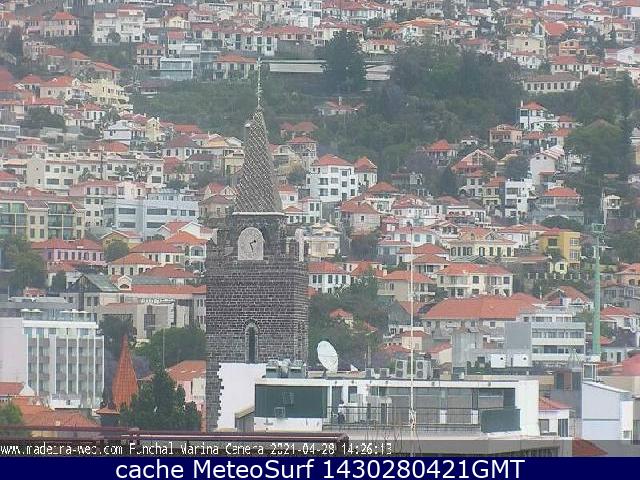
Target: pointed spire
<point x="257" y="187"/>
<point x="259" y="84"/>
<point x="125" y="383"/>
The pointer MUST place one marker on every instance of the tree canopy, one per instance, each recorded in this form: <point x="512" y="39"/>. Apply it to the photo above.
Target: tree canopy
<point x="344" y="70"/>
<point x="160" y="405"/>
<point x="179" y="344"/>
<point x="26" y="267"/>
<point x="115" y="250"/>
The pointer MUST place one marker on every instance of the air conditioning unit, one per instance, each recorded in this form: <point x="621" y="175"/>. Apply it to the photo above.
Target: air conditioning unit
<point x="371" y="373"/>
<point x="273" y="369"/>
<point x="423" y="370"/>
<point x="384" y="373"/>
<point x="279" y="412"/>
<point x="401" y="369"/>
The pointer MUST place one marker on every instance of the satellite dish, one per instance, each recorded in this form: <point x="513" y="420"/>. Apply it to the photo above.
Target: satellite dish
<point x="328" y="356"/>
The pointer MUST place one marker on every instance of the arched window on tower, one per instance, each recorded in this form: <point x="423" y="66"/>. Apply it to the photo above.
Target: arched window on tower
<point x="251" y="343"/>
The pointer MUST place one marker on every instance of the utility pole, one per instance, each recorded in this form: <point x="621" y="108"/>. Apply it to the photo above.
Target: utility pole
<point x="598" y="233"/>
<point x="412" y="411"/>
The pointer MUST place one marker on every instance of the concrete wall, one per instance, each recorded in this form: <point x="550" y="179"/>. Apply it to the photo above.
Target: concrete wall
<point x="13" y="351"/>
<point x="607" y="412"/>
<point x="238" y="390"/>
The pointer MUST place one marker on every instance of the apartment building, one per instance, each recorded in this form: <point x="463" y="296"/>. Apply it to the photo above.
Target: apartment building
<point x="562" y="243"/>
<point x="332" y="179"/>
<point x="517" y="195"/>
<point x="64" y="351"/>
<point x="555" y="335"/>
<point x="146" y="214"/>
<point x="59" y="171"/>
<point x="38" y="217"/>
<point x="463" y="280"/>
<point x="327" y="277"/>
<point x="93" y="193"/>
<point x="125" y="25"/>
<point x="559" y="201"/>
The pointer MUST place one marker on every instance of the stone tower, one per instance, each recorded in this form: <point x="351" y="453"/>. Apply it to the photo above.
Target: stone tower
<point x="257" y="304"/>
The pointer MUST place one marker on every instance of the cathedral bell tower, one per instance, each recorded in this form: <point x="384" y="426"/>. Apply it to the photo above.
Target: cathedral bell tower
<point x="257" y="304"/>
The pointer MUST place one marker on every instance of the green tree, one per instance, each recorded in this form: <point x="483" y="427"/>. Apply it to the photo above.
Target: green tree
<point x="26" y="267"/>
<point x="114" y="328"/>
<point x="39" y="117"/>
<point x="364" y="247"/>
<point x="175" y="345"/>
<point x="59" y="282"/>
<point x="160" y="405"/>
<point x="115" y="250"/>
<point x="14" y="43"/>
<point x="344" y="70"/>
<point x="297" y="176"/>
<point x="449" y="184"/>
<point x="627" y="246"/>
<point x="517" y="168"/>
<point x="602" y="145"/>
<point x="564" y="223"/>
<point x="9" y="415"/>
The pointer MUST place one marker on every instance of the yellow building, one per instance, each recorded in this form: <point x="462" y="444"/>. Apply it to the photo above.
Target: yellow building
<point x="562" y="243"/>
<point x="109" y="94"/>
<point x="41" y="217"/>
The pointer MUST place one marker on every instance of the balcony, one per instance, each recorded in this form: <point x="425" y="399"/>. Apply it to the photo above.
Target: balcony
<point x="434" y="420"/>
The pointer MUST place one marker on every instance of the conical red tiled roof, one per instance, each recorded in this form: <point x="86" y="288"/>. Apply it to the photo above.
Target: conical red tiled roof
<point x="125" y="383"/>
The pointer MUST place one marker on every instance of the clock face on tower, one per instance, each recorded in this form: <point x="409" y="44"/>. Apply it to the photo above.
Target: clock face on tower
<point x="250" y="244"/>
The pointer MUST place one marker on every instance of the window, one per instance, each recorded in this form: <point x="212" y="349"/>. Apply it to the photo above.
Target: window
<point x="544" y="425"/>
<point x="251" y="343"/>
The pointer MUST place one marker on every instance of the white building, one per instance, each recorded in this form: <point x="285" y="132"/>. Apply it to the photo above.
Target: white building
<point x="555" y="335"/>
<point x="125" y="25"/>
<point x="607" y="413"/>
<point x="332" y="179"/>
<point x="146" y="214"/>
<point x="349" y="403"/>
<point x="60" y="350"/>
<point x="517" y="194"/>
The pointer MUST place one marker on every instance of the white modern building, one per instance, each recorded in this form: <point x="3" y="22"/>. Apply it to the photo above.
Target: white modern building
<point x="59" y="348"/>
<point x="348" y="403"/>
<point x="555" y="334"/>
<point x="517" y="194"/>
<point x="125" y="25"/>
<point x="146" y="214"/>
<point x="332" y="179"/>
<point x="607" y="413"/>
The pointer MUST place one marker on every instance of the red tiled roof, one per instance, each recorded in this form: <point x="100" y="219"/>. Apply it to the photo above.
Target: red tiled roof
<point x="133" y="259"/>
<point x="487" y="307"/>
<point x="585" y="448"/>
<point x="352" y="206"/>
<point x="439" y="146"/>
<point x="425" y="249"/>
<point x="331" y="160"/>
<point x="465" y="268"/>
<point x="363" y="164"/>
<point x="382" y="187"/>
<point x="10" y="389"/>
<point x="405" y="275"/>
<point x="169" y="271"/>
<point x="185" y="238"/>
<point x="187" y="370"/>
<point x="169" y="289"/>
<point x="325" y="267"/>
<point x="564" y="192"/>
<point x="546" y="404"/>
<point x="155" y="246"/>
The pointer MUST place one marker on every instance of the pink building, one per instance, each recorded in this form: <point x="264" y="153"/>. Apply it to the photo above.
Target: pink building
<point x="74" y="251"/>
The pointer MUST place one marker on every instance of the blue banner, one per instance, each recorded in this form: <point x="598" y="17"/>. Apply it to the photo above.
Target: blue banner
<point x="308" y="468"/>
